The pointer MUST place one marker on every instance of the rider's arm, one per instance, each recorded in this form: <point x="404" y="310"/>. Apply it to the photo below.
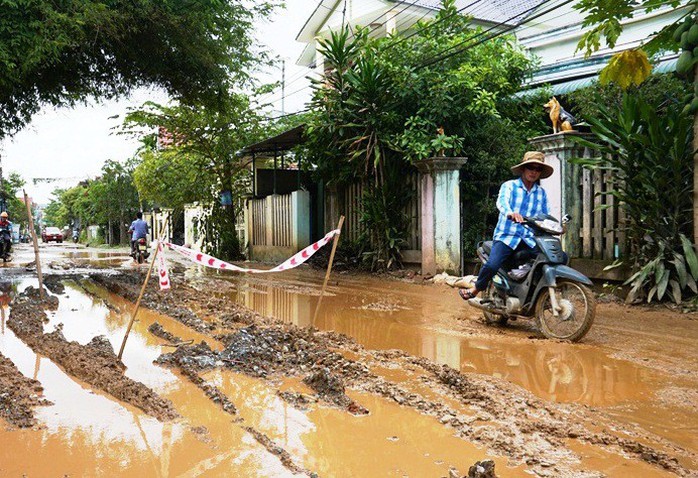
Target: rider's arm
<point x="545" y="205"/>
<point x="504" y="199"/>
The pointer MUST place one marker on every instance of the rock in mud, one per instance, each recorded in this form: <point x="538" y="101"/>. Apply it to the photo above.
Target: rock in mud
<point x="157" y="330"/>
<point x="482" y="469"/>
<point x="197" y="357"/>
<point x="49" y="301"/>
<point x="54" y="284"/>
<point x="327" y="385"/>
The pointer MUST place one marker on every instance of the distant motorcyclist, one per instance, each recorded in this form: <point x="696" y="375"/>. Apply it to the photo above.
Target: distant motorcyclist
<point x="138" y="230"/>
<point x="5" y="234"/>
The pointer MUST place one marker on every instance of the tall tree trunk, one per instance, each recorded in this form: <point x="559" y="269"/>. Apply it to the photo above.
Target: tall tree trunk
<point x="123" y="231"/>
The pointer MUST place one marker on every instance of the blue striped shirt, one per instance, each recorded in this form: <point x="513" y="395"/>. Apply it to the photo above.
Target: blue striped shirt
<point x="514" y="197"/>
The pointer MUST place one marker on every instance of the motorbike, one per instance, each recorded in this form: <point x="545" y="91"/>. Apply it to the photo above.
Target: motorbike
<point x="540" y="286"/>
<point x="76" y="235"/>
<point x="5" y="245"/>
<point x="139" y="251"/>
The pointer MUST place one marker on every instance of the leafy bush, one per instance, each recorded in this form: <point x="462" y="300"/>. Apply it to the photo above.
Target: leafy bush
<point x="384" y="105"/>
<point x="648" y="150"/>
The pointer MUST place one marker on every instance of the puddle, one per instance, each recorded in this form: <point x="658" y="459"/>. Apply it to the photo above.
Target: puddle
<point x="87" y="433"/>
<point x="380" y="319"/>
<point x="332" y="442"/>
<point x="416" y="319"/>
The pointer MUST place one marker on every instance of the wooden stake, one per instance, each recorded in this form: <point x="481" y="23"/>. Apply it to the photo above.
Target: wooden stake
<point x="140" y="296"/>
<point x="329" y="267"/>
<point x="37" y="259"/>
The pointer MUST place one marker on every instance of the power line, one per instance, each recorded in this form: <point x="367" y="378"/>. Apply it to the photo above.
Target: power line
<point x="441" y="57"/>
<point x="436" y="59"/>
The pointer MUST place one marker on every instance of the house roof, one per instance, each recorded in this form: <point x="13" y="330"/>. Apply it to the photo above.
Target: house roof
<point x="495" y="11"/>
<point x="492" y="11"/>
<point x="281" y="142"/>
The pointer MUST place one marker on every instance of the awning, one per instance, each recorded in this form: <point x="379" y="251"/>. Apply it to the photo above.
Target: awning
<point x="281" y="142"/>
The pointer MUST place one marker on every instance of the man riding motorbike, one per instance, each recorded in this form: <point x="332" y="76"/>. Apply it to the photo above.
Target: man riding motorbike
<point x="517" y="198"/>
<point x="138" y="230"/>
<point x="5" y="234"/>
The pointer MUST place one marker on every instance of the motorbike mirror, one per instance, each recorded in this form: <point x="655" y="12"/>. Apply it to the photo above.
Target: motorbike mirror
<point x="566" y="218"/>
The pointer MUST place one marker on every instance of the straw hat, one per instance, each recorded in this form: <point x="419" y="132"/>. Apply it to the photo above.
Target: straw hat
<point x="3" y="214"/>
<point x="535" y="158"/>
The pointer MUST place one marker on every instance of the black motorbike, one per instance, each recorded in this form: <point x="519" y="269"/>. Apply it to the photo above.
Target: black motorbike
<point x="539" y="285"/>
<point x="76" y="235"/>
<point x="139" y="250"/>
<point x="5" y="244"/>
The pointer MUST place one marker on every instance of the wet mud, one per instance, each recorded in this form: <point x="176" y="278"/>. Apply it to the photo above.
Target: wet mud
<point x="485" y="410"/>
<point x="18" y="395"/>
<point x="95" y="363"/>
<point x="277" y="450"/>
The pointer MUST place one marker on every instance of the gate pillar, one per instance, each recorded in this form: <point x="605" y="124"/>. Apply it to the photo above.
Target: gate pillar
<point x="440" y="214"/>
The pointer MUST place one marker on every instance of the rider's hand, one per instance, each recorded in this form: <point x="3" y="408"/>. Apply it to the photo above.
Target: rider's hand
<point x="516" y="217"/>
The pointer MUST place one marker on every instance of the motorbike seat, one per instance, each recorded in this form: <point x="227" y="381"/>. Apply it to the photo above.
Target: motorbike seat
<point x="487" y="246"/>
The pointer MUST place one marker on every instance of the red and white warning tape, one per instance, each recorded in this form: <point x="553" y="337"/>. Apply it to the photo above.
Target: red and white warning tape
<point x="163" y="275"/>
<point x="210" y="261"/>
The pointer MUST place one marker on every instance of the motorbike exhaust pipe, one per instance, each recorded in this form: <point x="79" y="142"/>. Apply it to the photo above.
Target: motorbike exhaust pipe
<point x="487" y="306"/>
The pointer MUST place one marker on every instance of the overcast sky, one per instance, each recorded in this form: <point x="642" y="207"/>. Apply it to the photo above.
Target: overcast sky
<point x="73" y="144"/>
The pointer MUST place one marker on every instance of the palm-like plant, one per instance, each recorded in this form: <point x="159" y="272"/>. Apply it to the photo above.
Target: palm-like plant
<point x="648" y="151"/>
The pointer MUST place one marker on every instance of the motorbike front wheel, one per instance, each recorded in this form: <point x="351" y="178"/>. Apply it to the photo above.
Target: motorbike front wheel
<point x="578" y="309"/>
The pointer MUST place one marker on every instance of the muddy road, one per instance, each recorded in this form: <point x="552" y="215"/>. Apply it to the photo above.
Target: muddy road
<point x="227" y="375"/>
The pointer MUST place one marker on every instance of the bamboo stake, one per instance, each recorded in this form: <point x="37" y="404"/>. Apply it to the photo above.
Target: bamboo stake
<point x="37" y="259"/>
<point x="329" y="267"/>
<point x="140" y="296"/>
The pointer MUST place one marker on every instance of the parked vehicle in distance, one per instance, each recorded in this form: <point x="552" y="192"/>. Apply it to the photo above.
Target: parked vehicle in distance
<point x="51" y="234"/>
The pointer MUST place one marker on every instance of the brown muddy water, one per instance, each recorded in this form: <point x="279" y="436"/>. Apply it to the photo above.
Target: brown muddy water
<point x="87" y="433"/>
<point x="433" y="322"/>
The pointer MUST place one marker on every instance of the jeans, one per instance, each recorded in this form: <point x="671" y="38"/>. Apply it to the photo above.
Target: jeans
<point x="499" y="254"/>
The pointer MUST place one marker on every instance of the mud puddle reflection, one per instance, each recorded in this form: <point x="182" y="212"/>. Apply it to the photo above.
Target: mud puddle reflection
<point x="90" y="434"/>
<point x="390" y="441"/>
<point x="419" y="320"/>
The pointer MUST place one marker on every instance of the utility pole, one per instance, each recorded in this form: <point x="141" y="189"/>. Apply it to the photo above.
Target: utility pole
<point x="283" y="86"/>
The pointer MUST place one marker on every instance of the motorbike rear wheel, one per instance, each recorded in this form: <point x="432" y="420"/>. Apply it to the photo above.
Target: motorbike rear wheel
<point x="490" y="317"/>
<point x="576" y="317"/>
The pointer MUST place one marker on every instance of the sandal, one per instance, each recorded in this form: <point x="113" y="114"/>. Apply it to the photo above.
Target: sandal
<point x="467" y="294"/>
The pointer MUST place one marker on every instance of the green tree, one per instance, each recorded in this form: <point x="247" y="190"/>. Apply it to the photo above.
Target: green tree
<point x="111" y="201"/>
<point x="11" y="188"/>
<point x="60" y="52"/>
<point x="200" y="162"/>
<point x="632" y="66"/>
<point x="385" y="105"/>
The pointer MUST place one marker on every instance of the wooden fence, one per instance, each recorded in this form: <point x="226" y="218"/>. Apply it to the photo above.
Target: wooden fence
<point x="602" y="236"/>
<point x="350" y="197"/>
<point x="277" y="209"/>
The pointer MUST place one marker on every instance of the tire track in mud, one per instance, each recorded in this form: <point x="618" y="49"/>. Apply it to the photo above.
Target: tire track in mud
<point x="509" y="420"/>
<point x="18" y="395"/>
<point x="95" y="363"/>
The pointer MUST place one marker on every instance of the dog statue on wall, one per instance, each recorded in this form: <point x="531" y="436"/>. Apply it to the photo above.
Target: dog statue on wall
<point x="561" y="119"/>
